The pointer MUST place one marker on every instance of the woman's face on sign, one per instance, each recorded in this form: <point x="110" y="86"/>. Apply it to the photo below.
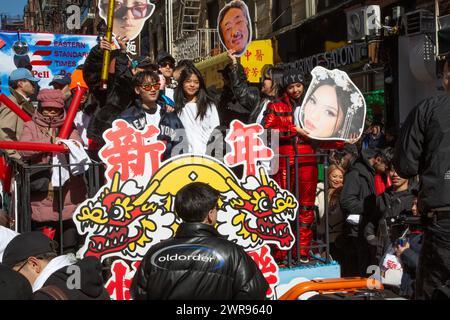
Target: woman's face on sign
<point x="323" y="115"/>
<point x="129" y="16"/>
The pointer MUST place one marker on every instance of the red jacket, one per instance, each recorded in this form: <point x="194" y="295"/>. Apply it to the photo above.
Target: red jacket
<point x="280" y="116"/>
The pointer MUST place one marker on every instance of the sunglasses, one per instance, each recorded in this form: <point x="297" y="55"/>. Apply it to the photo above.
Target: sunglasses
<point x="139" y="11"/>
<point x="165" y="64"/>
<point x="150" y="86"/>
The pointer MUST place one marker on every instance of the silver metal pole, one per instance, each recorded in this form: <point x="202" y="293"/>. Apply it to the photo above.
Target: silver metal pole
<point x="436" y="4"/>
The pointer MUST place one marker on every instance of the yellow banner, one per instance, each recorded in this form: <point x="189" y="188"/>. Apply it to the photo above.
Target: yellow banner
<point x="258" y="54"/>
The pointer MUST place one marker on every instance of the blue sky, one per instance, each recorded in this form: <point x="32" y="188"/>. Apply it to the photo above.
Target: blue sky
<point x="14" y="7"/>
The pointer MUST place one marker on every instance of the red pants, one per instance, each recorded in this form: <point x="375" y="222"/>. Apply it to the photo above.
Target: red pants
<point x="307" y="176"/>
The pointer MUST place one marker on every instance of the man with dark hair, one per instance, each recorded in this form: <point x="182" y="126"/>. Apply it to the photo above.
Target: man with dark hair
<point x="357" y="201"/>
<point x="423" y="149"/>
<point x="34" y="256"/>
<point x="166" y="66"/>
<point x="22" y="86"/>
<point x="198" y="263"/>
<point x="148" y="110"/>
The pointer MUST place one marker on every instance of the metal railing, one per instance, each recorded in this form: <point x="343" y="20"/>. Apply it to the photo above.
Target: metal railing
<point x="93" y="179"/>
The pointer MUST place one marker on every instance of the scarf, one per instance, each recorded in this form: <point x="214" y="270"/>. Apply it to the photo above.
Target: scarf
<point x="47" y="122"/>
<point x="53" y="266"/>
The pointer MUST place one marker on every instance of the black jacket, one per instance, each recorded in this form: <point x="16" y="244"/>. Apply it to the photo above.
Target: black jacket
<point x="423" y="148"/>
<point x="410" y="261"/>
<point x="248" y="97"/>
<point x="383" y="228"/>
<point x="91" y="282"/>
<point x="358" y="194"/>
<point x="199" y="264"/>
<point x="113" y="101"/>
<point x="168" y="125"/>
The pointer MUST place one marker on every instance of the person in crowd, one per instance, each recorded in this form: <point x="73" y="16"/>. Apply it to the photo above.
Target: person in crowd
<point x="166" y="65"/>
<point x="390" y="137"/>
<point x="345" y="157"/>
<point x="235" y="26"/>
<point x="62" y="82"/>
<point x="147" y="110"/>
<point x="198" y="263"/>
<point x="179" y="67"/>
<point x="229" y="107"/>
<point x="129" y="16"/>
<point x="22" y="86"/>
<point x="397" y="200"/>
<point x="44" y="127"/>
<point x="119" y="94"/>
<point x="33" y="255"/>
<point x="250" y="97"/>
<point x="375" y="137"/>
<point x="335" y="217"/>
<point x="423" y="149"/>
<point x="143" y="63"/>
<point x="357" y="201"/>
<point x="196" y="109"/>
<point x="408" y="253"/>
<point x="13" y="285"/>
<point x="331" y="110"/>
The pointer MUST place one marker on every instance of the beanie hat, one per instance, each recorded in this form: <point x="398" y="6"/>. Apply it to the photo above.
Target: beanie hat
<point x="292" y="76"/>
<point x="51" y="98"/>
<point x="78" y="80"/>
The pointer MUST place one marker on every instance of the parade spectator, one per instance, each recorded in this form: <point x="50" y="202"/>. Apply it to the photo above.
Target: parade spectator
<point x="423" y="149"/>
<point x="357" y="201"/>
<point x="375" y="136"/>
<point x="147" y="110"/>
<point x="119" y="94"/>
<point x="13" y="285"/>
<point x="397" y="200"/>
<point x="229" y="107"/>
<point x="166" y="65"/>
<point x="22" y="86"/>
<point x="33" y="255"/>
<point x="44" y="198"/>
<point x="250" y="97"/>
<point x="62" y="82"/>
<point x="408" y="253"/>
<point x="198" y="263"/>
<point x="143" y="63"/>
<point x="196" y="109"/>
<point x="180" y="67"/>
<point x="335" y="216"/>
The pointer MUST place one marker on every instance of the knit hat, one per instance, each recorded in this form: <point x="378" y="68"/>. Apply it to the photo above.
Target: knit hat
<point x="78" y="80"/>
<point x="51" y="98"/>
<point x="292" y="76"/>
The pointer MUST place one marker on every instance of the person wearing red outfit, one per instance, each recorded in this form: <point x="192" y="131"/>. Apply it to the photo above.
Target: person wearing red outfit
<point x="294" y="141"/>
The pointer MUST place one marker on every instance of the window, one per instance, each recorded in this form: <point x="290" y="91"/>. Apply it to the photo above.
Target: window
<point x="281" y="14"/>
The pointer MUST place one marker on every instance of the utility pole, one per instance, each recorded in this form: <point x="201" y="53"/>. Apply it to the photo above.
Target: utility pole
<point x="169" y="25"/>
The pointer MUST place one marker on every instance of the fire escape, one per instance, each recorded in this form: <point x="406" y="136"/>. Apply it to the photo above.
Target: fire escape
<point x="192" y="40"/>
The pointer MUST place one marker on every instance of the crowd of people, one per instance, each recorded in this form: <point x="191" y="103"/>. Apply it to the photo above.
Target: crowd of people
<point x="370" y="202"/>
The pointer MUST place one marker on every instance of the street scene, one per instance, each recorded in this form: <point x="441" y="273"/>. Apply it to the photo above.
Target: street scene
<point x="224" y="150"/>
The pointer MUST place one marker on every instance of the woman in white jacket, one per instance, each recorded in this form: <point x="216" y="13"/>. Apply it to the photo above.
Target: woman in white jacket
<point x="196" y="109"/>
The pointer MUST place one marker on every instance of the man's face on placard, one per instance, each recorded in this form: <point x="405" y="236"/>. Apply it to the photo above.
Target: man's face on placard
<point x="129" y="16"/>
<point x="234" y="30"/>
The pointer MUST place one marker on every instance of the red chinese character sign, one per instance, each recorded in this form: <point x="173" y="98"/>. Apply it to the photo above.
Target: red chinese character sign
<point x="235" y="27"/>
<point x="129" y="215"/>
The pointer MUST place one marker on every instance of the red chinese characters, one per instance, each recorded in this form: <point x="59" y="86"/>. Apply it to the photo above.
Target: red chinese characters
<point x="118" y="286"/>
<point x="268" y="267"/>
<point x="246" y="146"/>
<point x="131" y="152"/>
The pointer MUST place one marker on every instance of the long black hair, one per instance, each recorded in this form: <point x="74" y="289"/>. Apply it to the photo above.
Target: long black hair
<point x="204" y="98"/>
